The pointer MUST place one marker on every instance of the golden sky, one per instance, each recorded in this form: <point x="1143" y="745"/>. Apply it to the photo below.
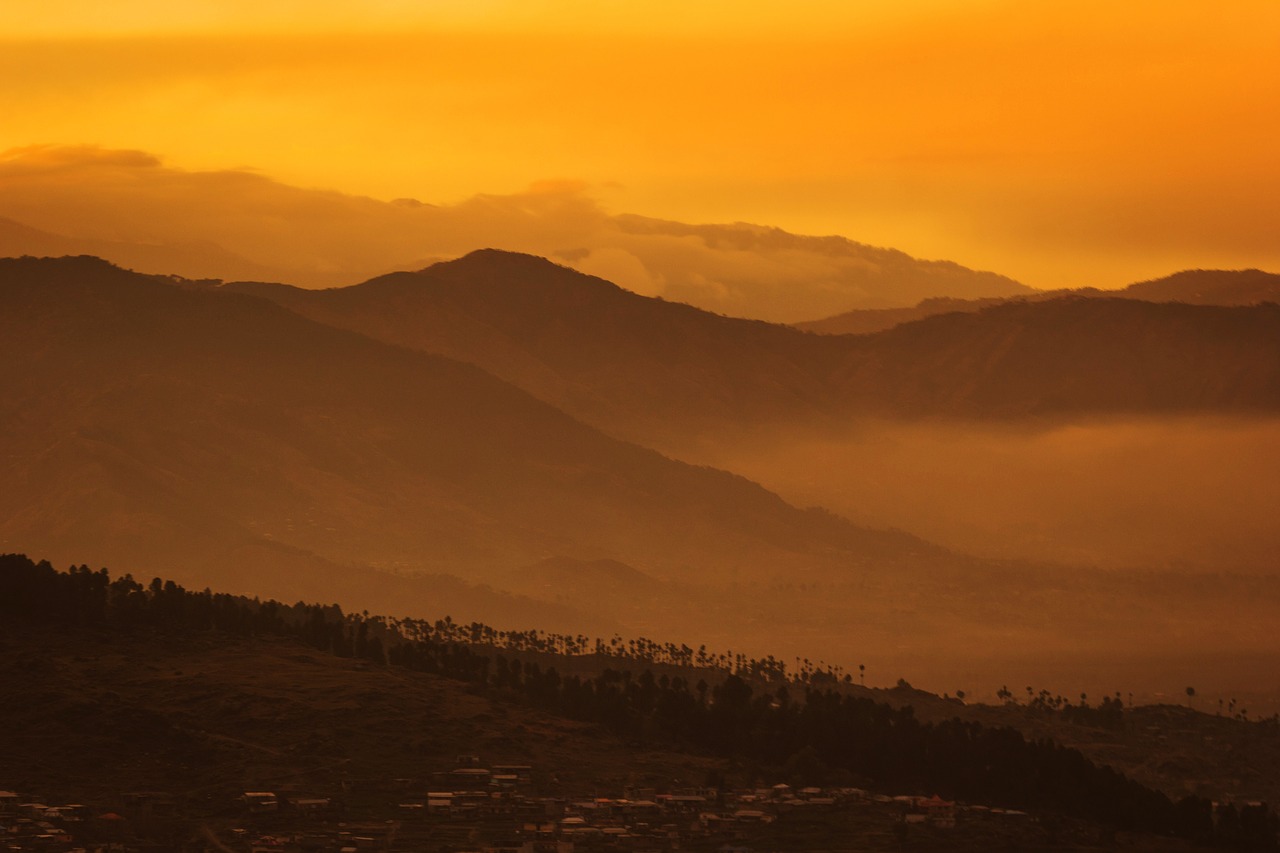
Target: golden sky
<point x="1061" y="143"/>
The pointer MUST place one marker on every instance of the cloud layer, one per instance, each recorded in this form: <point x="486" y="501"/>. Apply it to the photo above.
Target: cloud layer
<point x="130" y="207"/>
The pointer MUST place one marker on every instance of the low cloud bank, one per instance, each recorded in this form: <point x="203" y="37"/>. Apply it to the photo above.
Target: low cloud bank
<point x="132" y="209"/>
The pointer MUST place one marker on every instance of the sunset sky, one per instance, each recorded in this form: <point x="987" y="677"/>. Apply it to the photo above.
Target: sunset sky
<point x="1062" y="144"/>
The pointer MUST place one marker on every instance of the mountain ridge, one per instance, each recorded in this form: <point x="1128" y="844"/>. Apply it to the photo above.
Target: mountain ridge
<point x="1193" y="287"/>
<point x="657" y="372"/>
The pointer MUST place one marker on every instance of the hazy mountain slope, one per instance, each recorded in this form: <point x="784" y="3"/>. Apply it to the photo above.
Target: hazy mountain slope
<point x="758" y="271"/>
<point x="660" y="372"/>
<point x="634" y="365"/>
<point x="143" y="422"/>
<point x="1209" y="287"/>
<point x="195" y="258"/>
<point x="1194" y="287"/>
<point x="866" y="321"/>
<point x="1072" y="356"/>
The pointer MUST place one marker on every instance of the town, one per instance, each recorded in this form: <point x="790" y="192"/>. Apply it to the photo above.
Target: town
<point x="498" y="808"/>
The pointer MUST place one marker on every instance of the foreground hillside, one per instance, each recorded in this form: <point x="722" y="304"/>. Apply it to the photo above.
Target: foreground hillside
<point x="119" y="686"/>
<point x="208" y="713"/>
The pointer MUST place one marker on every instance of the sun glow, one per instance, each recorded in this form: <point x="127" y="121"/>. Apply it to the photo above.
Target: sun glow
<point x="1062" y="144"/>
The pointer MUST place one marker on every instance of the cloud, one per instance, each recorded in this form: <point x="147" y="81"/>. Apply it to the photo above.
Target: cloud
<point x="28" y="158"/>
<point x="622" y="268"/>
<point x="319" y="238"/>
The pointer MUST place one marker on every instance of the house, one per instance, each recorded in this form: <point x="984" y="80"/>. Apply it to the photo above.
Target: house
<point x="682" y="803"/>
<point x="35" y="811"/>
<point x="260" y="802"/>
<point x="312" y="807"/>
<point x="470" y="778"/>
<point x="938" y="811"/>
<point x="522" y="772"/>
<point x="440" y="803"/>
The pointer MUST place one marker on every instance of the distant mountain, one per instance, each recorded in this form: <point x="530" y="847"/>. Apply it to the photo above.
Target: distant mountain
<point x="1210" y="287"/>
<point x="867" y="321"/>
<point x="756" y="271"/>
<point x="659" y="372"/>
<point x="610" y="586"/>
<point x="130" y="208"/>
<point x="1193" y="287"/>
<point x="192" y="259"/>
<point x="218" y="434"/>
<point x="1072" y="355"/>
<point x="634" y="365"/>
<point x="595" y="575"/>
<point x="18" y="239"/>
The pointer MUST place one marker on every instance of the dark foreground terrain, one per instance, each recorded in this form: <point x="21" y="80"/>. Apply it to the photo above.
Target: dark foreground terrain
<point x="323" y="731"/>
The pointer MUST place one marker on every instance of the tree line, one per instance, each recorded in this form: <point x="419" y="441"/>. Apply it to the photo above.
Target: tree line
<point x="753" y="713"/>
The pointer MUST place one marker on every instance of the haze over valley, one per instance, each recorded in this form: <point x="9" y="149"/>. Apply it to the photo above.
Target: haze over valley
<point x="982" y="482"/>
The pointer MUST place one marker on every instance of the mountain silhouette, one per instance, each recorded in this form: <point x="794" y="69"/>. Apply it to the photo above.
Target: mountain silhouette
<point x="1073" y="355"/>
<point x="1193" y="287"/>
<point x="1209" y="287"/>
<point x="634" y="365"/>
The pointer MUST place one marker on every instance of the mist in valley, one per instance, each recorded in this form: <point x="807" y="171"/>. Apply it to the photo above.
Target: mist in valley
<point x="1185" y="493"/>
<point x="1126" y="555"/>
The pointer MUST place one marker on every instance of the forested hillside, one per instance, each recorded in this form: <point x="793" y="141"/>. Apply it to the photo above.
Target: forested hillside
<point x="753" y="712"/>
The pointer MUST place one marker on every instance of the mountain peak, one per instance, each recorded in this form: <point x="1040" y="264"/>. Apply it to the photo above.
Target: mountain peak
<point x="494" y="257"/>
<point x="496" y="273"/>
<point x="522" y="267"/>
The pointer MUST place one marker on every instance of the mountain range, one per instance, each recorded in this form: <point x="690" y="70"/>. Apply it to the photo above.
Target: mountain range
<point x="660" y="373"/>
<point x="1193" y="287"/>
<point x="156" y="425"/>
<point x="476" y="439"/>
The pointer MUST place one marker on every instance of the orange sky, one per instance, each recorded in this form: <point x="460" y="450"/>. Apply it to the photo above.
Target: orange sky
<point x="1063" y="144"/>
